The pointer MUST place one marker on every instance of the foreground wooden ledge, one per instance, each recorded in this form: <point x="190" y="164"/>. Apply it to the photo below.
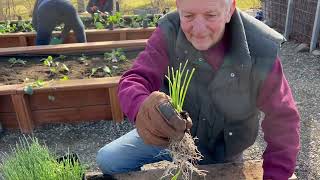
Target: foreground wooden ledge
<point x="73" y="101"/>
<point x="74" y="47"/>
<point x="248" y="170"/>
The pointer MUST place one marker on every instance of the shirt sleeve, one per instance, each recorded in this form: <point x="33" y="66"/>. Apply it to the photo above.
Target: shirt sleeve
<point x="145" y="76"/>
<point x="281" y="125"/>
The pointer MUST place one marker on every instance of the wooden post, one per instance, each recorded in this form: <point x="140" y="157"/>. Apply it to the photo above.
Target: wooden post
<point x="117" y="114"/>
<point x="23" y="112"/>
<point x="23" y="41"/>
<point x="289" y="19"/>
<point x="123" y="35"/>
<point x="316" y="29"/>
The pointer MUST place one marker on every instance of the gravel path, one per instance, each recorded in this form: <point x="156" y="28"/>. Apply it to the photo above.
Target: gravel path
<point x="302" y="71"/>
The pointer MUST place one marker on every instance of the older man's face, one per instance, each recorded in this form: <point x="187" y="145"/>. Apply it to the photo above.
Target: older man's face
<point x="203" y="21"/>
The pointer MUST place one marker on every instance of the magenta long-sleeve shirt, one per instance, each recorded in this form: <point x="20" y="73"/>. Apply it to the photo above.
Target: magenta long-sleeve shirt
<point x="281" y="123"/>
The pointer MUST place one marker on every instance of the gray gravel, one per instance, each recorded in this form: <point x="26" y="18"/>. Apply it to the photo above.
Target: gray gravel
<point x="302" y="71"/>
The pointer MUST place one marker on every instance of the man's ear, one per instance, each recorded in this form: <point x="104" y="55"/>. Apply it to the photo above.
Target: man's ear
<point x="231" y="10"/>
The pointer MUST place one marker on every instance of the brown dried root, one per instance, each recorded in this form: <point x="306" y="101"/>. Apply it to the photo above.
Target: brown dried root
<point x="185" y="155"/>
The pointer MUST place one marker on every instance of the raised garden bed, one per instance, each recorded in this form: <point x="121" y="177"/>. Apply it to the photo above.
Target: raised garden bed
<point x="23" y="39"/>
<point x="27" y="103"/>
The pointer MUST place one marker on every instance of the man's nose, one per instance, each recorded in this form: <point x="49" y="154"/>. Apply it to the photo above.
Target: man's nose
<point x="199" y="25"/>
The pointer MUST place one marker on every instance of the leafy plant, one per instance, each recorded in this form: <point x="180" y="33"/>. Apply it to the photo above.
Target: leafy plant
<point x="55" y="66"/>
<point x="28" y="89"/>
<point x="30" y="160"/>
<point x="24" y="26"/>
<point x="105" y="69"/>
<point x="154" y="21"/>
<point x="14" y="61"/>
<point x="115" y="55"/>
<point x="114" y="19"/>
<point x="7" y="27"/>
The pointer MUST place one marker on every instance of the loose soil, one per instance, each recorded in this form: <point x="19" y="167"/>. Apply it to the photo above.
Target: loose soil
<point x="36" y="70"/>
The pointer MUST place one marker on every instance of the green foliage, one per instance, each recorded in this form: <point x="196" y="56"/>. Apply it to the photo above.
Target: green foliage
<point x="54" y="66"/>
<point x="28" y="89"/>
<point x="24" y="26"/>
<point x="14" y="61"/>
<point x="7" y="27"/>
<point x="115" y="55"/>
<point x="114" y="19"/>
<point x="178" y="85"/>
<point x="104" y="69"/>
<point x="29" y="160"/>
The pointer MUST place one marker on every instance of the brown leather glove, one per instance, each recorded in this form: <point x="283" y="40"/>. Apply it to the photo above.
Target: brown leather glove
<point x="157" y="121"/>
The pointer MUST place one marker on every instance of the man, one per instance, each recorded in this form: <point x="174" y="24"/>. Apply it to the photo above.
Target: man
<point x="101" y="5"/>
<point x="237" y="74"/>
<point x="47" y="14"/>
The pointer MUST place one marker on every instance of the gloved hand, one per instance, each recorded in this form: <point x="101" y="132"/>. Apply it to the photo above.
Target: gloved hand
<point x="94" y="8"/>
<point x="157" y="121"/>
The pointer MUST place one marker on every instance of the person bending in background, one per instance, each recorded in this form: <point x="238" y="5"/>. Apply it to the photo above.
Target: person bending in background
<point x="47" y="14"/>
<point x="101" y="5"/>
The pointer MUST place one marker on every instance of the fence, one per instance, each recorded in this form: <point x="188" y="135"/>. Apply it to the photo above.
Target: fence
<point x="303" y="17"/>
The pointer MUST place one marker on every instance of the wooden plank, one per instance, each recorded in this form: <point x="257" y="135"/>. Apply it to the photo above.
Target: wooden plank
<point x="22" y="109"/>
<point x="6" y="42"/>
<point x="123" y="36"/>
<point x="117" y="114"/>
<point x="316" y="29"/>
<point x="72" y="115"/>
<point x="76" y="84"/>
<point x="228" y="171"/>
<point x="289" y="20"/>
<point x="93" y="35"/>
<point x="68" y="99"/>
<point x="138" y="35"/>
<point x="75" y="47"/>
<point x="88" y="32"/>
<point x="9" y="120"/>
<point x="9" y="89"/>
<point x="6" y="105"/>
<point x="23" y="41"/>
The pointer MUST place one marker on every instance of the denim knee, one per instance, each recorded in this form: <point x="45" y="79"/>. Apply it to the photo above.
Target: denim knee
<point x="104" y="160"/>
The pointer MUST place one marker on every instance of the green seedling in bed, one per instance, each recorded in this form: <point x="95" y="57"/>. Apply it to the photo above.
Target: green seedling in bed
<point x="28" y="89"/>
<point x="24" y="26"/>
<point x="83" y="59"/>
<point x="105" y="69"/>
<point x="54" y="66"/>
<point x="7" y="27"/>
<point x="114" y="19"/>
<point x="31" y="160"/>
<point x="115" y="55"/>
<point x="14" y="61"/>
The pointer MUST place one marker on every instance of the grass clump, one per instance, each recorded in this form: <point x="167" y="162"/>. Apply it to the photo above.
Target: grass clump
<point x="29" y="161"/>
<point x="184" y="153"/>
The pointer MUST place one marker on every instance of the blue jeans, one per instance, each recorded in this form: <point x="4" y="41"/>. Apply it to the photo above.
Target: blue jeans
<point x="128" y="153"/>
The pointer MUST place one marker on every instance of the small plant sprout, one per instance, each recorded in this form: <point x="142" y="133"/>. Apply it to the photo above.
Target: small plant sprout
<point x="106" y="70"/>
<point x="184" y="153"/>
<point x="55" y="66"/>
<point x="115" y="55"/>
<point x="14" y="61"/>
<point x="28" y="89"/>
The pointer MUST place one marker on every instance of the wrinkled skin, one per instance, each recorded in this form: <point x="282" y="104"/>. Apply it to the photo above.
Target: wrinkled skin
<point x="203" y="21"/>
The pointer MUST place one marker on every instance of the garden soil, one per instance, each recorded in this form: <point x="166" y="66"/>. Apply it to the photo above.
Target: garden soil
<point x="80" y="67"/>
